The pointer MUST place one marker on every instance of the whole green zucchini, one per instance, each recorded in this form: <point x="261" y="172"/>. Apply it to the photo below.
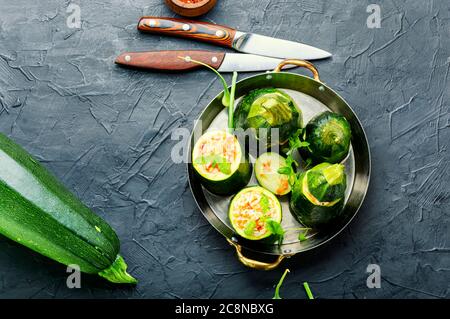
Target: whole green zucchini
<point x="329" y="137"/>
<point x="38" y="212"/>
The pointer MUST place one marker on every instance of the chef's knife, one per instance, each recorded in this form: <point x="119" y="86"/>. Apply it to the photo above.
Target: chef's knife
<point x="180" y="61"/>
<point x="228" y="37"/>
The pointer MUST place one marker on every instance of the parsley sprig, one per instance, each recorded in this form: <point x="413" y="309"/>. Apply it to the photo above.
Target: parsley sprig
<point x="291" y="164"/>
<point x="276" y="229"/>
<point x="272" y="226"/>
<point x="250" y="228"/>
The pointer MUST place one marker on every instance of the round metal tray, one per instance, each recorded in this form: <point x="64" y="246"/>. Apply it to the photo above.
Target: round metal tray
<point x="312" y="97"/>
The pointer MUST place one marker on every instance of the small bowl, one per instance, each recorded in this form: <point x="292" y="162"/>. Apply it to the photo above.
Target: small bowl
<point x="190" y="8"/>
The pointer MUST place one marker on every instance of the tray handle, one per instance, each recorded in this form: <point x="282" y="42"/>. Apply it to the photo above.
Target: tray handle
<point x="251" y="263"/>
<point x="300" y="63"/>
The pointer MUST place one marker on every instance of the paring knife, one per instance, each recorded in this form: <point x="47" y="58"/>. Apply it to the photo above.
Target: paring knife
<point x="228" y="37"/>
<point x="178" y="60"/>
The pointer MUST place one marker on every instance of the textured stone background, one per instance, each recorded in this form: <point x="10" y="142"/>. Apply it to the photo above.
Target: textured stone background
<point x="105" y="132"/>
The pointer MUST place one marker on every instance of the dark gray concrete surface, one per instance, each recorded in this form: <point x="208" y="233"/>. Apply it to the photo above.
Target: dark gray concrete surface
<point x="105" y="132"/>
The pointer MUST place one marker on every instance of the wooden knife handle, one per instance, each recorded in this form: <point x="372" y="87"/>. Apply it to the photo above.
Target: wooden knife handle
<point x="202" y="31"/>
<point x="170" y="60"/>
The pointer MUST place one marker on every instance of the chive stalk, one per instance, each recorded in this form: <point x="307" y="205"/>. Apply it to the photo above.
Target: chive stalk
<point x="277" y="288"/>
<point x="308" y="290"/>
<point x="231" y="104"/>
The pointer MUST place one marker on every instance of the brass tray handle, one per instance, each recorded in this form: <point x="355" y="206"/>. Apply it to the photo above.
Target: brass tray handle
<point x="251" y="263"/>
<point x="300" y="63"/>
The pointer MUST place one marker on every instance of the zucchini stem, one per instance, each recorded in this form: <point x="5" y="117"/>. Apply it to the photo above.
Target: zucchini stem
<point x="228" y="98"/>
<point x="117" y="272"/>
<point x="226" y="92"/>
<point x="231" y="104"/>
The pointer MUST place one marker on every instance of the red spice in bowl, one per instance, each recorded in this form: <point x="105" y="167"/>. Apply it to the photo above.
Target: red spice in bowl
<point x="191" y="1"/>
<point x="191" y="8"/>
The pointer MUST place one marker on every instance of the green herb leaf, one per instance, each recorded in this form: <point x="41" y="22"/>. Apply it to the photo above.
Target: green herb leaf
<point x="302" y="236"/>
<point x="199" y="160"/>
<point x="215" y="160"/>
<point x="308" y="163"/>
<point x="291" y="160"/>
<point x="250" y="228"/>
<point x="274" y="227"/>
<point x="276" y="230"/>
<point x="214" y="163"/>
<point x="285" y="170"/>
<point x="294" y="144"/>
<point x="277" y="288"/>
<point x="308" y="290"/>
<point x="265" y="205"/>
<point x="303" y="144"/>
<point x="295" y="141"/>
<point x="288" y="170"/>
<point x="224" y="167"/>
<point x="203" y="160"/>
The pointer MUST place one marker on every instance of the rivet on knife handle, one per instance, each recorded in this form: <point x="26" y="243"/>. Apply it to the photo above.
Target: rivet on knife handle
<point x="170" y="60"/>
<point x="202" y="31"/>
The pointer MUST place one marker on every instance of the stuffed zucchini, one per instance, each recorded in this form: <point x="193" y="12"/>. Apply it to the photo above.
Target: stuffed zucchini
<point x="268" y="109"/>
<point x="220" y="163"/>
<point x="328" y="135"/>
<point x="251" y="209"/>
<point x="318" y="195"/>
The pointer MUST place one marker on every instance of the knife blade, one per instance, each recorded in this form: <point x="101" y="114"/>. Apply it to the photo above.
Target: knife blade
<point x="180" y="60"/>
<point x="225" y="36"/>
